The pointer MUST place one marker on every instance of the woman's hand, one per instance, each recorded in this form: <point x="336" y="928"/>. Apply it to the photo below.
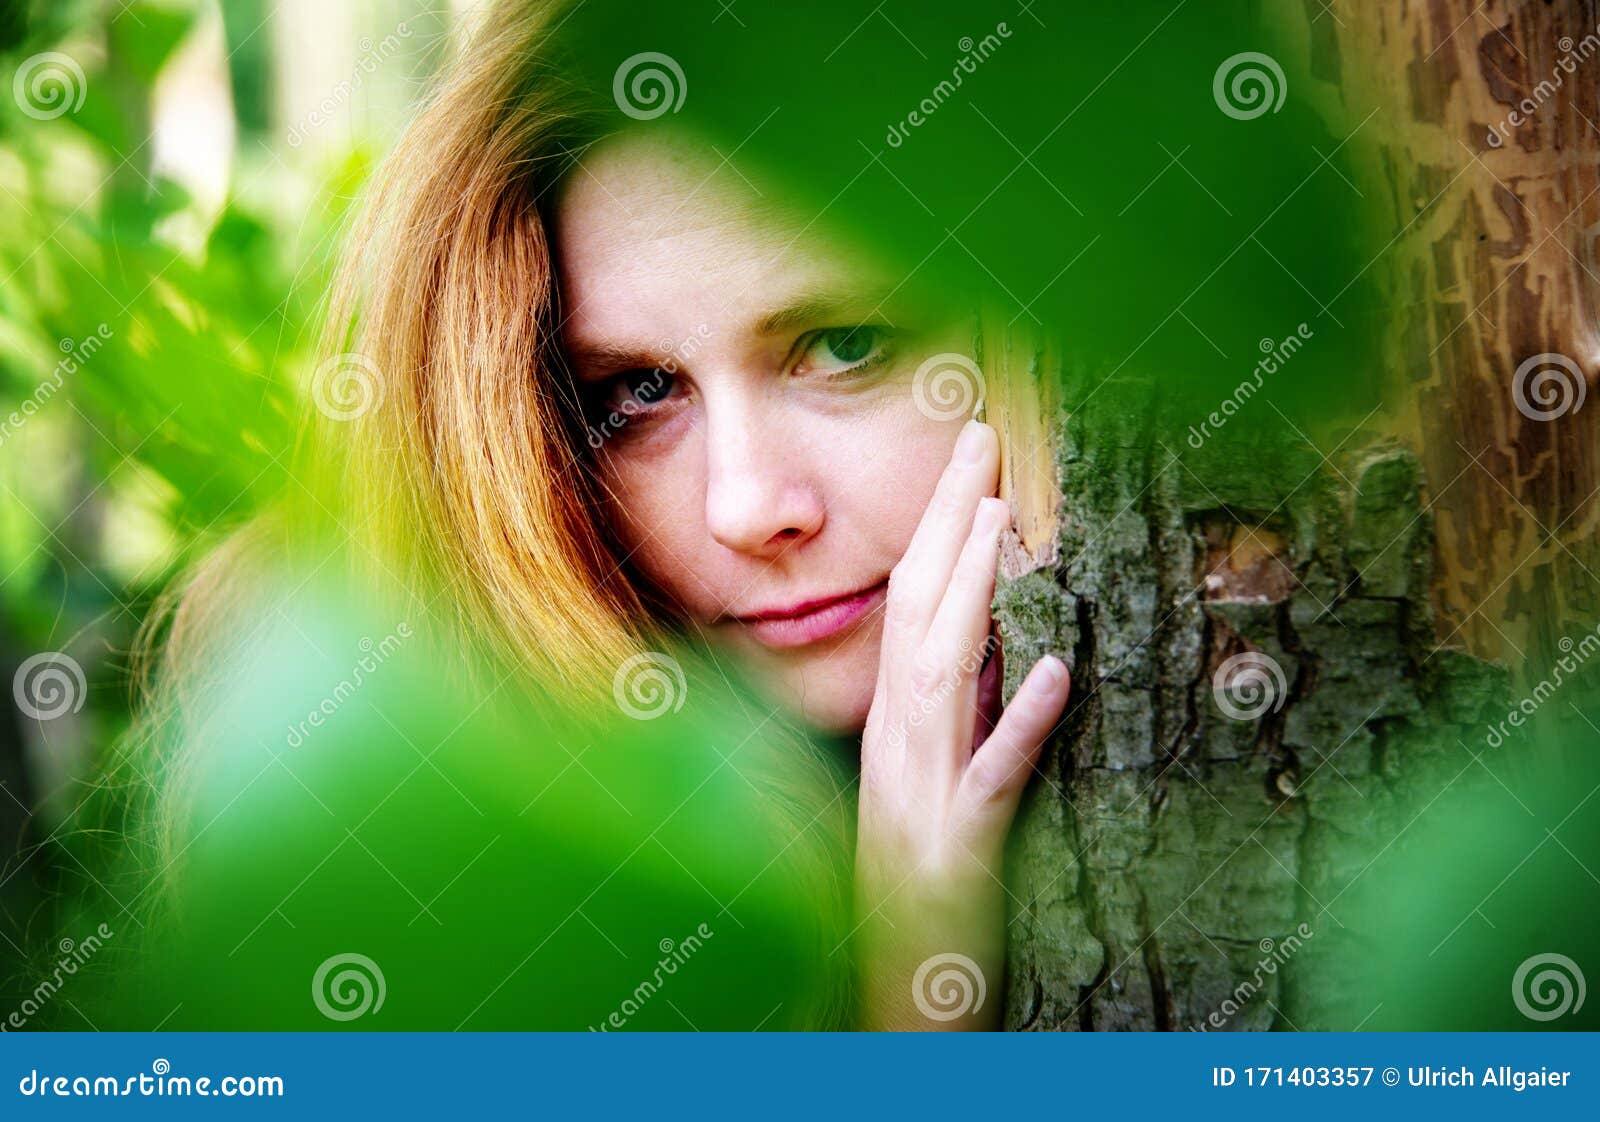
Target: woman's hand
<point x="934" y="811"/>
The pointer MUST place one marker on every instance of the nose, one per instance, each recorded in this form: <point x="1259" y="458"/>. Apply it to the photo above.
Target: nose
<point x="761" y="497"/>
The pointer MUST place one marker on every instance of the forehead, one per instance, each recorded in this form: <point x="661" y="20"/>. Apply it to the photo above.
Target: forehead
<point x="657" y="227"/>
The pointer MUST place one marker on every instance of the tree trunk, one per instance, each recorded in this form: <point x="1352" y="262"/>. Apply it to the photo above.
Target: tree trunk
<point x="1279" y="660"/>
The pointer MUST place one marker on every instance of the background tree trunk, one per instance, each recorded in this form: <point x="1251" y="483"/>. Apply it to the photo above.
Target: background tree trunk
<point x="1184" y="859"/>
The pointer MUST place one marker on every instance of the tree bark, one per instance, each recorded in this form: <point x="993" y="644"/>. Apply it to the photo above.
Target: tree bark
<point x="1191" y="826"/>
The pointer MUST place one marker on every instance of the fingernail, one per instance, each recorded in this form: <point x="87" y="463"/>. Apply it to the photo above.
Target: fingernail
<point x="970" y="446"/>
<point x="1051" y="671"/>
<point x="995" y="514"/>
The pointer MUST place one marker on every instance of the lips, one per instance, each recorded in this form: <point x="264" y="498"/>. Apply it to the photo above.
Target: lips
<point x="812" y="621"/>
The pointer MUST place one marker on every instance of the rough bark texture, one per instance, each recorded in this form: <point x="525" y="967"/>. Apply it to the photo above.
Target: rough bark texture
<point x="1171" y="849"/>
<point x="1482" y="135"/>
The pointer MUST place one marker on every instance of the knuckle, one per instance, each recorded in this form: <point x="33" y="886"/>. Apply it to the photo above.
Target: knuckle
<point x="948" y="507"/>
<point x="992" y="779"/>
<point x="926" y="670"/>
<point x="900" y="610"/>
<point x="966" y="582"/>
<point x="924" y="673"/>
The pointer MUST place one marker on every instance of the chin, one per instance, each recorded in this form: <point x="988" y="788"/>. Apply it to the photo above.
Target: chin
<point x="828" y="687"/>
<point x="836" y="717"/>
<point x="834" y="693"/>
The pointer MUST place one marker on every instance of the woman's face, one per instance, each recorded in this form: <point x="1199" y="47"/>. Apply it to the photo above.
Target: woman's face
<point x="752" y="407"/>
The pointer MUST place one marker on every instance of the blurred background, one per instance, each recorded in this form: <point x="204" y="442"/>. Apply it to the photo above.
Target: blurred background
<point x="173" y="176"/>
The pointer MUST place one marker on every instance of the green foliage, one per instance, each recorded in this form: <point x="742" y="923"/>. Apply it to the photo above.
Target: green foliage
<point x="174" y="423"/>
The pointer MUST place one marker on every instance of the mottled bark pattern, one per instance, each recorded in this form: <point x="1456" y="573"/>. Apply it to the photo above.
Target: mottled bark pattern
<point x="1170" y="849"/>
<point x="1481" y="154"/>
<point x="1168" y="839"/>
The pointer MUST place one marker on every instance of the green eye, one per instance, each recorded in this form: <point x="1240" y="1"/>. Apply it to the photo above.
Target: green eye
<point x="841" y="350"/>
<point x="850" y="344"/>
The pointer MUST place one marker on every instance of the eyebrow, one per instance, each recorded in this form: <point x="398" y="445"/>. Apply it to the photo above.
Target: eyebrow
<point x="809" y="306"/>
<point x="610" y="357"/>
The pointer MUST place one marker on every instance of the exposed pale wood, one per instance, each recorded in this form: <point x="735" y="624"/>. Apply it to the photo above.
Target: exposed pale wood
<point x="1020" y="400"/>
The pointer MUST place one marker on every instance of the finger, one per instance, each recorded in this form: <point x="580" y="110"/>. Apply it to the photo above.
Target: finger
<point x="918" y="582"/>
<point x="947" y="663"/>
<point x="994" y="781"/>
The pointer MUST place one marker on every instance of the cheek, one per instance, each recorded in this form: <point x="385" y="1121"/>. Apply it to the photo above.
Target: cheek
<point x="656" y="509"/>
<point x="888" y="473"/>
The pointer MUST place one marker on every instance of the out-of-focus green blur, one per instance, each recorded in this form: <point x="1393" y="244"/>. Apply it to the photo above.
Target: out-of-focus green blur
<point x="171" y="187"/>
<point x="357" y="833"/>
